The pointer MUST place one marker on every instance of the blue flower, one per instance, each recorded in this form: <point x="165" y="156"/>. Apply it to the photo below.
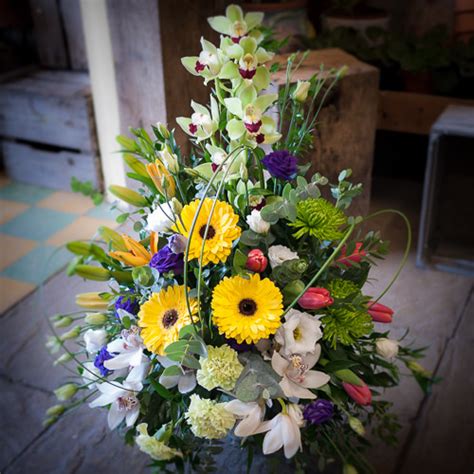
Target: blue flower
<point x="166" y="261"/>
<point x="100" y="358"/>
<point x="281" y="164"/>
<point x="319" y="411"/>
<point x="128" y="303"/>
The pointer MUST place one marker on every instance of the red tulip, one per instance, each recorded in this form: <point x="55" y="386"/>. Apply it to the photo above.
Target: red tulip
<point x="256" y="261"/>
<point x="315" y="298"/>
<point x="359" y="393"/>
<point x="380" y="313"/>
<point x="355" y="256"/>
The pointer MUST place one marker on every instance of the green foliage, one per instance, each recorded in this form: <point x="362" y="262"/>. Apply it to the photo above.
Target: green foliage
<point x="318" y="218"/>
<point x="342" y="289"/>
<point x="345" y="325"/>
<point x="87" y="189"/>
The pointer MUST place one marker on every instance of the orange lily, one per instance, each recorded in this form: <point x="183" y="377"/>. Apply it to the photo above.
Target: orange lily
<point x="137" y="254"/>
<point x="157" y="172"/>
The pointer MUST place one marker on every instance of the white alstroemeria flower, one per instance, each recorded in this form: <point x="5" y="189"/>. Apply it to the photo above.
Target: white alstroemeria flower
<point x="251" y="415"/>
<point x="128" y="354"/>
<point x="386" y="348"/>
<point x="186" y="381"/>
<point x="202" y="124"/>
<point x="277" y="254"/>
<point x="95" y="339"/>
<point x="162" y="218"/>
<point x="299" y="334"/>
<point x="123" y="401"/>
<point x="250" y="125"/>
<point x="283" y="431"/>
<point x="256" y="222"/>
<point x="297" y="378"/>
<point x="235" y="24"/>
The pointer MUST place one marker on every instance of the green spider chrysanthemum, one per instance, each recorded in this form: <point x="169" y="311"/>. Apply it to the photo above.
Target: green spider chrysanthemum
<point x="318" y="218"/>
<point x="341" y="289"/>
<point x="345" y="325"/>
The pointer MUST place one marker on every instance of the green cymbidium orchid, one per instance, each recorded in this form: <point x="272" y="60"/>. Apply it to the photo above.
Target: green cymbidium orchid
<point x="202" y="124"/>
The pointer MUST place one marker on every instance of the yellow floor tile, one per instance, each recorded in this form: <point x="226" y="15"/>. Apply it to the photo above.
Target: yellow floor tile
<point x="12" y="291"/>
<point x="10" y="209"/>
<point x="83" y="227"/>
<point x="13" y="248"/>
<point x="67" y="202"/>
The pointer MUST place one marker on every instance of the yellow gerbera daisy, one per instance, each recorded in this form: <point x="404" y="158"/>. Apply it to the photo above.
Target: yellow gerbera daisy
<point x="223" y="230"/>
<point x="247" y="309"/>
<point x="162" y="317"/>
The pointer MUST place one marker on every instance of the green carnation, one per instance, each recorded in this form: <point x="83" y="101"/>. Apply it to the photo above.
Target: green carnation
<point x="155" y="448"/>
<point x="221" y="368"/>
<point x="341" y="289"/>
<point x="208" y="419"/>
<point x="345" y="325"/>
<point x="318" y="218"/>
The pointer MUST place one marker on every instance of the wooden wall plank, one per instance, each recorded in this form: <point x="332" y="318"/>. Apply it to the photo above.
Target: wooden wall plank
<point x="71" y="16"/>
<point x="31" y="165"/>
<point x="49" y="37"/>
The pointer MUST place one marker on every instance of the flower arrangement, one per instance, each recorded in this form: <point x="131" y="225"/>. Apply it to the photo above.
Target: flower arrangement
<point x="239" y="307"/>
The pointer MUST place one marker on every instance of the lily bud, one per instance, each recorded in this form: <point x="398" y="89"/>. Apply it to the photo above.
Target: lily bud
<point x="95" y="319"/>
<point x="71" y="334"/>
<point x="315" y="298"/>
<point x="386" y="348"/>
<point x="346" y="375"/>
<point x="162" y="178"/>
<point x="128" y="195"/>
<point x="55" y="410"/>
<point x="114" y="239"/>
<point x="355" y="256"/>
<point x="380" y="313"/>
<point x="65" y="392"/>
<point x="256" y="261"/>
<point x="135" y="165"/>
<point x="417" y="368"/>
<point x="360" y="394"/>
<point x="79" y="248"/>
<point x="300" y="94"/>
<point x="89" y="272"/>
<point x="357" y="425"/>
<point x="63" y="322"/>
<point x="91" y="300"/>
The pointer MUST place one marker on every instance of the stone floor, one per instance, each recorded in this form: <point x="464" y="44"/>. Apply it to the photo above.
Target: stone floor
<point x="438" y="430"/>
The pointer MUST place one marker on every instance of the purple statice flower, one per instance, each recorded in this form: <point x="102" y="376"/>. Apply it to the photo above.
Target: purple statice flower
<point x="128" y="303"/>
<point x="100" y="358"/>
<point x="319" y="411"/>
<point x="177" y="243"/>
<point x="166" y="261"/>
<point x="281" y="164"/>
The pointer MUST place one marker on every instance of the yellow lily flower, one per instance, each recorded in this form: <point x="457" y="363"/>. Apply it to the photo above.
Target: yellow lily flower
<point x="137" y="255"/>
<point x="157" y="172"/>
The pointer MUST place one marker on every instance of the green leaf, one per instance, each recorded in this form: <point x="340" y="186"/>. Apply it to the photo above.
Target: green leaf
<point x="336" y="365"/>
<point x="162" y="391"/>
<point x="120" y="219"/>
<point x="172" y="371"/>
<point x="239" y="261"/>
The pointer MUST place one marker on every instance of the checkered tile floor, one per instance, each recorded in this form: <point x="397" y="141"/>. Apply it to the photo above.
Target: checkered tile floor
<point x="35" y="223"/>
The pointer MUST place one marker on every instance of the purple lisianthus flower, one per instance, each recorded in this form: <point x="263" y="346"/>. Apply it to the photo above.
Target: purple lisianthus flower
<point x="166" y="261"/>
<point x="281" y="164"/>
<point x="128" y="303"/>
<point x="100" y="358"/>
<point x="177" y="243"/>
<point x="239" y="347"/>
<point x="319" y="411"/>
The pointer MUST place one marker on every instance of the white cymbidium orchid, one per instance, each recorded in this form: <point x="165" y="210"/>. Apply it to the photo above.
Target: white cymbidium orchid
<point x="202" y="124"/>
<point x="250" y="125"/>
<point x="235" y="25"/>
<point x="283" y="431"/>
<point x="251" y="415"/>
<point x="128" y="354"/>
<point x="299" y="334"/>
<point x="186" y="380"/>
<point x="297" y="378"/>
<point x="124" y="404"/>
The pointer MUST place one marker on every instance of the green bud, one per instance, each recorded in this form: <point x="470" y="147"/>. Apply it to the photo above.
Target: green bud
<point x="53" y="344"/>
<point x="143" y="276"/>
<point x="289" y="271"/>
<point x="163" y="130"/>
<point x="135" y="165"/>
<point x="349" y="469"/>
<point x="348" y="376"/>
<point x="356" y="425"/>
<point x="95" y="319"/>
<point x="128" y="195"/>
<point x="300" y="94"/>
<point x="64" y="359"/>
<point x="90" y="272"/>
<point x="55" y="410"/>
<point x="71" y="334"/>
<point x="418" y="369"/>
<point x="50" y="421"/>
<point x="292" y="290"/>
<point x="79" y="248"/>
<point x="63" y="322"/>
<point x="66" y="392"/>
<point x="114" y="239"/>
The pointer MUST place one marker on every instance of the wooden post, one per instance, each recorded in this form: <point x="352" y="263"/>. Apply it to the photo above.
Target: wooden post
<point x="346" y="131"/>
